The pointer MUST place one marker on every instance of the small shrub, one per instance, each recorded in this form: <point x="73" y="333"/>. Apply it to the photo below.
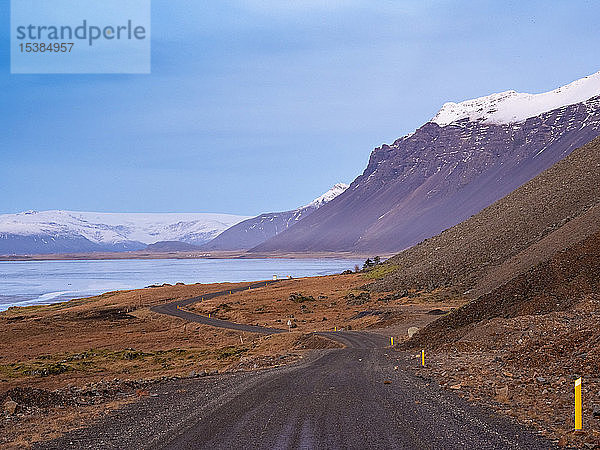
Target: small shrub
<point x="229" y="352"/>
<point x="359" y="299"/>
<point x="297" y="297"/>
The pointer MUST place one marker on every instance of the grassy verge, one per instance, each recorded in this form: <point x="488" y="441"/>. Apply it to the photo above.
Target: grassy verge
<point x="122" y="361"/>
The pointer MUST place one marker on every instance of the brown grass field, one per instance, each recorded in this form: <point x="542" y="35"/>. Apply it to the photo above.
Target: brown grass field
<point x="115" y="340"/>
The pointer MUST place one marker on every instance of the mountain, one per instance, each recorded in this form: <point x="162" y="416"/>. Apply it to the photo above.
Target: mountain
<point x="549" y="214"/>
<point x="468" y="156"/>
<point x="254" y="231"/>
<point x="79" y="232"/>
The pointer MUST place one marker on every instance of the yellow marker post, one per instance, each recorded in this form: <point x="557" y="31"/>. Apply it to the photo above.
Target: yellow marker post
<point x="335" y="329"/>
<point x="392" y="340"/>
<point x="423" y="358"/>
<point x="578" y="409"/>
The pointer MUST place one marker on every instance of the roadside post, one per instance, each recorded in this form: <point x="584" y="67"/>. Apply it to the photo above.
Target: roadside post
<point x="423" y="358"/>
<point x="289" y="325"/>
<point x="392" y="340"/>
<point x="578" y="407"/>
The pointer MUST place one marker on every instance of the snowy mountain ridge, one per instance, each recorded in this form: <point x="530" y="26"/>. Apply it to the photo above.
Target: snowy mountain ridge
<point x="116" y="228"/>
<point x="512" y="107"/>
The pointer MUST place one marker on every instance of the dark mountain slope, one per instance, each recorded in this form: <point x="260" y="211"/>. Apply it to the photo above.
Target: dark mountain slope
<point x="556" y="284"/>
<point x="256" y="230"/>
<point x="252" y="232"/>
<point x="466" y="253"/>
<point x="573" y="231"/>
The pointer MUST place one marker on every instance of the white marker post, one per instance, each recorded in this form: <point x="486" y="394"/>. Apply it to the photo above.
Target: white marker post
<point x="289" y="325"/>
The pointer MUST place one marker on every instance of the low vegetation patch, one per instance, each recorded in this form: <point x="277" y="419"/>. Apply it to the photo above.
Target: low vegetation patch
<point x="230" y="352"/>
<point x="380" y="271"/>
<point x="125" y="361"/>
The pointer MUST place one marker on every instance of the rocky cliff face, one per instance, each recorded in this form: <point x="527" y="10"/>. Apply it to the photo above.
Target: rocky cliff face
<point x="470" y="155"/>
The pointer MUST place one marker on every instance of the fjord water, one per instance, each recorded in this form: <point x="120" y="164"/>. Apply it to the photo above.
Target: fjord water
<point x="24" y="283"/>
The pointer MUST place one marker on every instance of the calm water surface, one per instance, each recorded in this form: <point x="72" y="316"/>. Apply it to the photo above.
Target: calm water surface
<point x="38" y="282"/>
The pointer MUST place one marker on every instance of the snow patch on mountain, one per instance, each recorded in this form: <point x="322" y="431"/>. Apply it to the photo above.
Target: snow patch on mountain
<point x="512" y="107"/>
<point x="332" y="193"/>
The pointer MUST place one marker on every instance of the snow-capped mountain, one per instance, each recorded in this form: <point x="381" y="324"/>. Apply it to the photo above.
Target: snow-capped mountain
<point x="512" y="107"/>
<point x="468" y="156"/>
<point x="254" y="231"/>
<point x="69" y="231"/>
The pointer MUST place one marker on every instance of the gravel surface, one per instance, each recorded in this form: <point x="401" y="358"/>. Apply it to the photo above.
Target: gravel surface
<point x="346" y="398"/>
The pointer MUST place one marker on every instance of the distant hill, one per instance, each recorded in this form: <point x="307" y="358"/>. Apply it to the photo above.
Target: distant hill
<point x="468" y="156"/>
<point x="254" y="231"/>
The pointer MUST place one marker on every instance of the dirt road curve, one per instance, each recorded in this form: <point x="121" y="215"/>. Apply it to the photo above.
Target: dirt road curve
<point x="345" y="398"/>
<point x="173" y="309"/>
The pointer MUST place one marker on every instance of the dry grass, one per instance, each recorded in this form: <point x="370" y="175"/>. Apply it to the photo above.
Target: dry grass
<point x="116" y="335"/>
<point x="324" y="305"/>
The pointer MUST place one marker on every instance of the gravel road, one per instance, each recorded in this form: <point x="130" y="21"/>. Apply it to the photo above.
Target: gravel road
<point x="362" y="396"/>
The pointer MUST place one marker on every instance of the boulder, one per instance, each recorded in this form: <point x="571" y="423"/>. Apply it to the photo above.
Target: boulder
<point x="10" y="407"/>
<point x="502" y="394"/>
<point x="412" y="331"/>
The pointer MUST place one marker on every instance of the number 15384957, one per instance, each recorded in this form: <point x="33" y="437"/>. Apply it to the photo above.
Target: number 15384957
<point x="41" y="47"/>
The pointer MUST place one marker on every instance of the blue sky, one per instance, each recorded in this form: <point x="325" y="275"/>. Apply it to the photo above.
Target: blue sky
<point x="256" y="106"/>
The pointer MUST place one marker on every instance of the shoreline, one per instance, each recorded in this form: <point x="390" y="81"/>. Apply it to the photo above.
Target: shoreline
<point x="170" y="272"/>
<point x="101" y="256"/>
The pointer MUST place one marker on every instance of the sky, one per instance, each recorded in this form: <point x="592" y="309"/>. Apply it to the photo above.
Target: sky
<point x="262" y="105"/>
